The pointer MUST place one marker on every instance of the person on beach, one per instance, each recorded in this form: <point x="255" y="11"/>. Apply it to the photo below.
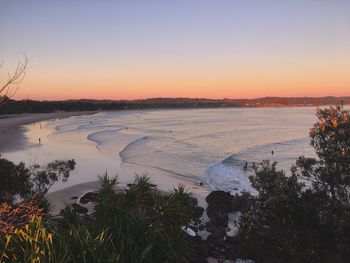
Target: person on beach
<point x="39" y="141"/>
<point x="245" y="168"/>
<point x="272" y="152"/>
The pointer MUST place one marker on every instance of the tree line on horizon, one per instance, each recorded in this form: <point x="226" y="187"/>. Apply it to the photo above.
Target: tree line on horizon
<point x="32" y="106"/>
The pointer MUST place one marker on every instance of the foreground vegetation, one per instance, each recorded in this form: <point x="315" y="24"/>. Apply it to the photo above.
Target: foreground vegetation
<point x="132" y="224"/>
<point x="303" y="217"/>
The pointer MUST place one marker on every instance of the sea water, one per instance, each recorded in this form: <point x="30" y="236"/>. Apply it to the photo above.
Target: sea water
<point x="210" y="146"/>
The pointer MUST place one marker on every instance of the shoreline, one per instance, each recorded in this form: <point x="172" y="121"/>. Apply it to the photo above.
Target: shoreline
<point x="59" y="198"/>
<point x="12" y="132"/>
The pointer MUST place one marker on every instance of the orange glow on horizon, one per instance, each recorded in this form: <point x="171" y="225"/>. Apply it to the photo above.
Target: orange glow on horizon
<point x="215" y="82"/>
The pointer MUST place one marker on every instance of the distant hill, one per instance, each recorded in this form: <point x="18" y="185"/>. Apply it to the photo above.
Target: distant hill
<point x="32" y="106"/>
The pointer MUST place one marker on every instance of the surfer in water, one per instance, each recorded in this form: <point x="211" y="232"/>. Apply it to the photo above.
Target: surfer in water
<point x="245" y="168"/>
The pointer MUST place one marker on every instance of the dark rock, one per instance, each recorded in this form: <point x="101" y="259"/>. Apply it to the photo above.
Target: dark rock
<point x="200" y="248"/>
<point x="229" y="247"/>
<point x="219" y="204"/>
<point x="79" y="209"/>
<point x="89" y="197"/>
<point x="198" y="211"/>
<point x="210" y="227"/>
<point x="231" y="240"/>
<point x="215" y="241"/>
<point x="217" y="253"/>
<point x="219" y="198"/>
<point x="219" y="233"/>
<point x="218" y="217"/>
<point x="74" y="197"/>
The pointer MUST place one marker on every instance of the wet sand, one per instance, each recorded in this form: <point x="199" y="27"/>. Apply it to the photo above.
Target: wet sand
<point x="12" y="132"/>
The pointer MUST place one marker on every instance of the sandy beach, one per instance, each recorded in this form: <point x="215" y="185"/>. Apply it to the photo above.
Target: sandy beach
<point x="12" y="133"/>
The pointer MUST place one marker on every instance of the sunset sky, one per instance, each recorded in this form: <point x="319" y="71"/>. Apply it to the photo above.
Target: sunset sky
<point x="131" y="49"/>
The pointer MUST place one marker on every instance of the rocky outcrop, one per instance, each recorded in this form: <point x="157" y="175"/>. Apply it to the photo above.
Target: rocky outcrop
<point x="219" y="244"/>
<point x="201" y="247"/>
<point x="89" y="197"/>
<point x="198" y="211"/>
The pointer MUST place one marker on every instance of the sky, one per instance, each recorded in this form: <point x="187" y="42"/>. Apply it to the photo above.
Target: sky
<point x="134" y="49"/>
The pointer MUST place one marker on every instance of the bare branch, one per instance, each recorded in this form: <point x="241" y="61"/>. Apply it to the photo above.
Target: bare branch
<point x="13" y="80"/>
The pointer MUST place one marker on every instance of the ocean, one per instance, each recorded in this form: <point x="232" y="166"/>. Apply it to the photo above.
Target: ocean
<point x="208" y="146"/>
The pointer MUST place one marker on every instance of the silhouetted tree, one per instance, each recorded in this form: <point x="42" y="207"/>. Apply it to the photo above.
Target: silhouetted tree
<point x="9" y="88"/>
<point x="21" y="182"/>
<point x="330" y="136"/>
<point x="289" y="221"/>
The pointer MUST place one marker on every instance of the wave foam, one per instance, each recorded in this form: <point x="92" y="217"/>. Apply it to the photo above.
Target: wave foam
<point x="103" y="137"/>
<point x="228" y="178"/>
<point x="124" y="153"/>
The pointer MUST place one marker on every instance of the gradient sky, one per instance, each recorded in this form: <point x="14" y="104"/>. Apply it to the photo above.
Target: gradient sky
<point x="185" y="48"/>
